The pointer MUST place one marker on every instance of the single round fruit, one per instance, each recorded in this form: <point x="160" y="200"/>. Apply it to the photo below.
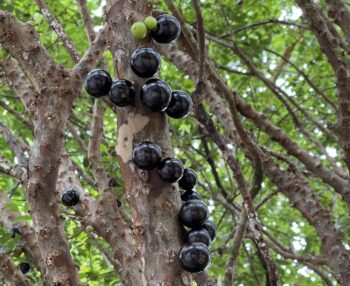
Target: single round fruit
<point x="193" y="214"/>
<point x="70" y="197"/>
<point x="15" y="230"/>
<point x="151" y="23"/>
<point x="112" y="182"/>
<point x="24" y="267"/>
<point x="199" y="235"/>
<point x="139" y="30"/>
<point x="98" y="82"/>
<point x="168" y="29"/>
<point x="180" y="104"/>
<point x="188" y="180"/>
<point x="156" y="94"/>
<point x="171" y="170"/>
<point x="145" y="62"/>
<point x="147" y="155"/>
<point x="194" y="257"/>
<point x="190" y="195"/>
<point x="122" y="93"/>
<point x="3" y="53"/>
<point x="211" y="228"/>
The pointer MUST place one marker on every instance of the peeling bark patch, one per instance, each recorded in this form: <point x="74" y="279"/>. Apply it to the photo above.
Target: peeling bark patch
<point x="167" y="205"/>
<point x="139" y="230"/>
<point x="186" y="279"/>
<point x="45" y="232"/>
<point x="136" y="123"/>
<point x="171" y="254"/>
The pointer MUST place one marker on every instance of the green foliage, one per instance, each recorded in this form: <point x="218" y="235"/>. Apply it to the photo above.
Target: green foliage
<point x="233" y="21"/>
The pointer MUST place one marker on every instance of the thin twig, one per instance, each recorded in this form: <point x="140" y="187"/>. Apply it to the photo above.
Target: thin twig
<point x="57" y="27"/>
<point x="201" y="41"/>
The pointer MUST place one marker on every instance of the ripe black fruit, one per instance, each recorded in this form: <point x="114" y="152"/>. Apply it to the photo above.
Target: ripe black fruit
<point x="180" y="104"/>
<point x="170" y="170"/>
<point x="98" y="83"/>
<point x="190" y="195"/>
<point x="188" y="180"/>
<point x="112" y="182"/>
<point x="70" y="197"/>
<point x="122" y="93"/>
<point x="24" y="267"/>
<point x="211" y="228"/>
<point x="199" y="235"/>
<point x="15" y="230"/>
<point x="156" y="94"/>
<point x="193" y="214"/>
<point x="147" y="155"/>
<point x="145" y="62"/>
<point x="194" y="257"/>
<point x="168" y="29"/>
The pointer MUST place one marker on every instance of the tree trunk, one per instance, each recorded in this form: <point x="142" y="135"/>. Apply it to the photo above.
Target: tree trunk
<point x="154" y="203"/>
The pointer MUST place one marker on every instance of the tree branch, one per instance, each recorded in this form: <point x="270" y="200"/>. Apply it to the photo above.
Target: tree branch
<point x="15" y="145"/>
<point x="22" y="41"/>
<point x="338" y="11"/>
<point x="27" y="236"/>
<point x="302" y="197"/>
<point x="86" y="15"/>
<point x="56" y="26"/>
<point x="330" y="43"/>
<point x="265" y="22"/>
<point x="10" y="273"/>
<point x="254" y="224"/>
<point x="18" y="81"/>
<point x="93" y="55"/>
<point x="201" y="42"/>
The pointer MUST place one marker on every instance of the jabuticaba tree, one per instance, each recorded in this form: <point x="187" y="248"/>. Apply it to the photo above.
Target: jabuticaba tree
<point x="174" y="142"/>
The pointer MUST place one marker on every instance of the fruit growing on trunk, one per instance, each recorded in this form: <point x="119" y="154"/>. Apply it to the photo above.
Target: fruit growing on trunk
<point x="211" y="228"/>
<point x="190" y="195"/>
<point x="145" y="62"/>
<point x="70" y="197"/>
<point x="168" y="29"/>
<point x="151" y="23"/>
<point x="156" y="94"/>
<point x="171" y="170"/>
<point x="139" y="30"/>
<point x="199" y="235"/>
<point x="24" y="267"/>
<point x="193" y="214"/>
<point x="112" y="182"/>
<point x="194" y="257"/>
<point x="147" y="155"/>
<point x="122" y="93"/>
<point x="98" y="83"/>
<point x="188" y="180"/>
<point x="180" y="104"/>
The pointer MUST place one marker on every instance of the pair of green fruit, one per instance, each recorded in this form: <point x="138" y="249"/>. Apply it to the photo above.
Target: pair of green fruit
<point x="139" y="29"/>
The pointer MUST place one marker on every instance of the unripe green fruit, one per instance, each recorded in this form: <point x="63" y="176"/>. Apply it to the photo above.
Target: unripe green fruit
<point x="139" y="30"/>
<point x="151" y="23"/>
<point x="3" y="53"/>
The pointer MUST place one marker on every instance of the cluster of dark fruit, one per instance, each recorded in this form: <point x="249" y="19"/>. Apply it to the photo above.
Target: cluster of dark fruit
<point x="145" y="63"/>
<point x="194" y="256"/>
